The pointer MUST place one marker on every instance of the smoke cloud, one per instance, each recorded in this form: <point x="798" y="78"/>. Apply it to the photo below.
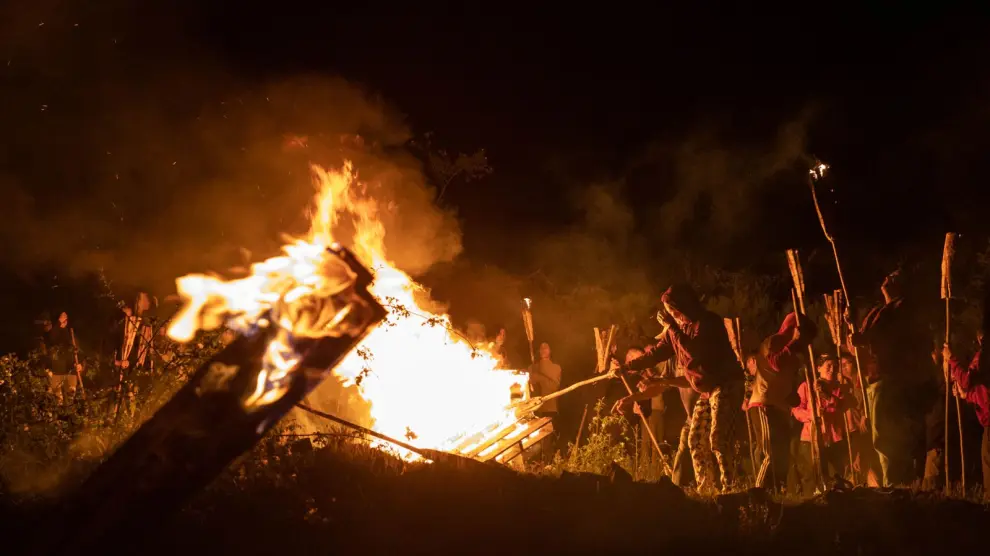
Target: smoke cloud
<point x="117" y="159"/>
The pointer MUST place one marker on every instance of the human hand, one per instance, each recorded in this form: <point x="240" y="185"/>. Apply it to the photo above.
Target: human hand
<point x="664" y="318"/>
<point x="637" y="409"/>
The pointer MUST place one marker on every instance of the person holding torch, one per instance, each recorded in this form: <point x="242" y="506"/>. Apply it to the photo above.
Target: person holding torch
<point x="700" y="343"/>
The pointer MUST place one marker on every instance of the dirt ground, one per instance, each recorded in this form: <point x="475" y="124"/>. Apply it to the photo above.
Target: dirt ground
<point x="360" y="501"/>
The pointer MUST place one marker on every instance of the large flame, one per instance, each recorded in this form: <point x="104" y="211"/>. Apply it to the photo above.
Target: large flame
<point x="424" y="383"/>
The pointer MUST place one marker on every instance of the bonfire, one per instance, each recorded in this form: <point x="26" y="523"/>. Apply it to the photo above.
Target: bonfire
<point x="422" y="381"/>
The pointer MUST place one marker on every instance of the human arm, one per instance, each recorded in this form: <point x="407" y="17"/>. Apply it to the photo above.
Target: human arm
<point x="802" y="412"/>
<point x="961" y="375"/>
<point x="788" y="356"/>
<point x="660" y="352"/>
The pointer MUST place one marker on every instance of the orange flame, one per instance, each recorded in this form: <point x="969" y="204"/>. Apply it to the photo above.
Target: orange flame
<point x="424" y="383"/>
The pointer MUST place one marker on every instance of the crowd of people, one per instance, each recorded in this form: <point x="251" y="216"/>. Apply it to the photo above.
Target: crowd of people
<point x="866" y="412"/>
<point x="808" y="421"/>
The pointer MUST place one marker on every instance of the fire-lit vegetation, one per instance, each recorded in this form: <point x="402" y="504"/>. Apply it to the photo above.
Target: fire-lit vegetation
<point x="303" y="494"/>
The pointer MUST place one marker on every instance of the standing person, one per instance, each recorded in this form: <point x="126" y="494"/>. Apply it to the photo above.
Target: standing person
<point x="905" y="387"/>
<point x="972" y="386"/>
<point x="834" y="399"/>
<point x="700" y="343"/>
<point x="62" y="351"/>
<point x="775" y="368"/>
<point x="544" y="377"/>
<point x="865" y="462"/>
<point x="498" y="350"/>
<point x="134" y="339"/>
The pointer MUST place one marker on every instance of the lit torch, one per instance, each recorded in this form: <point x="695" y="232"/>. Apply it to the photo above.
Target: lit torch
<point x="527" y="316"/>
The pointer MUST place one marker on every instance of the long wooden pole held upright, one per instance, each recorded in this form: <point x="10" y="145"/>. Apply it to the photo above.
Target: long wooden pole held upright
<point x="527" y="316"/>
<point x="816" y="173"/>
<point x="810" y="372"/>
<point x="832" y="304"/>
<point x="733" y="333"/>
<point x="948" y="252"/>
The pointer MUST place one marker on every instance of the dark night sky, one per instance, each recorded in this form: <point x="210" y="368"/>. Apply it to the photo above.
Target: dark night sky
<point x="895" y="100"/>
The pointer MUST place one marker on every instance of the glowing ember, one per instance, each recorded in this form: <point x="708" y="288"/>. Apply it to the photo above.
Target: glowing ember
<point x="424" y="383"/>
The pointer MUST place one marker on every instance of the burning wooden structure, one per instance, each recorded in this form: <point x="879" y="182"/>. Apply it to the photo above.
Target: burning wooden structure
<point x="226" y="407"/>
<point x="504" y="442"/>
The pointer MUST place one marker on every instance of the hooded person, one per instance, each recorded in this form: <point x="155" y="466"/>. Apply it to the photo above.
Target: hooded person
<point x="776" y="376"/>
<point x="697" y="339"/>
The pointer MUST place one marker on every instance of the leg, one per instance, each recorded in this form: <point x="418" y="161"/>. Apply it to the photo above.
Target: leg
<point x="934" y="465"/>
<point x="683" y="470"/>
<point x="779" y="428"/>
<point x="71" y="381"/>
<point x="805" y="468"/>
<point x="874" y="394"/>
<point x="759" y="433"/>
<point x="985" y="457"/>
<point x="698" y="443"/>
<point x="838" y="459"/>
<point x="55" y="382"/>
<point x="725" y="402"/>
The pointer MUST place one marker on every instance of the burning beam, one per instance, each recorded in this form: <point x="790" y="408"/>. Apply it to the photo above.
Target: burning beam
<point x="226" y="407"/>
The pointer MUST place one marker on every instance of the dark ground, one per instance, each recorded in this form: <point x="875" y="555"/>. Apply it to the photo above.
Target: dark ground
<point x="349" y="501"/>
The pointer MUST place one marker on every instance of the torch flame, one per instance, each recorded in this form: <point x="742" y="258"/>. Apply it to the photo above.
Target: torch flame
<point x="422" y="381"/>
<point x="818" y="172"/>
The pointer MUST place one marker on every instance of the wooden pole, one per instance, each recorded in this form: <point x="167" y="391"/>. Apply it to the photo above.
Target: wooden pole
<point x="948" y="252"/>
<point x="832" y="303"/>
<point x="814" y="175"/>
<point x="606" y="356"/>
<point x="527" y="316"/>
<point x="649" y="430"/>
<point x="75" y="357"/>
<point x="732" y="331"/>
<point x="577" y="441"/>
<point x="811" y="378"/>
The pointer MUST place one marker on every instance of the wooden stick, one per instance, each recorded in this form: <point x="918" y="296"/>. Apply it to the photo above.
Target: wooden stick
<point x="532" y="404"/>
<point x="948" y="252"/>
<point x="812" y="382"/>
<point x="730" y="329"/>
<point x="577" y="441"/>
<point x="814" y="175"/>
<point x="75" y="356"/>
<point x="599" y="351"/>
<point x="527" y="316"/>
<point x="835" y="331"/>
<point x="653" y="438"/>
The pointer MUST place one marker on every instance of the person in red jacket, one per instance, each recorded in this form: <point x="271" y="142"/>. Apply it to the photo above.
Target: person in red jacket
<point x="777" y="367"/>
<point x="972" y="386"/>
<point x="834" y="398"/>
<point x="700" y="343"/>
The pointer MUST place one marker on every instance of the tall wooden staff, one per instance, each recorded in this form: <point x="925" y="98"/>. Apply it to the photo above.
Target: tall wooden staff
<point x="832" y="311"/>
<point x="948" y="252"/>
<point x="75" y="357"/>
<point x="816" y="173"/>
<point x="527" y="316"/>
<point x="732" y="329"/>
<point x="810" y="373"/>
